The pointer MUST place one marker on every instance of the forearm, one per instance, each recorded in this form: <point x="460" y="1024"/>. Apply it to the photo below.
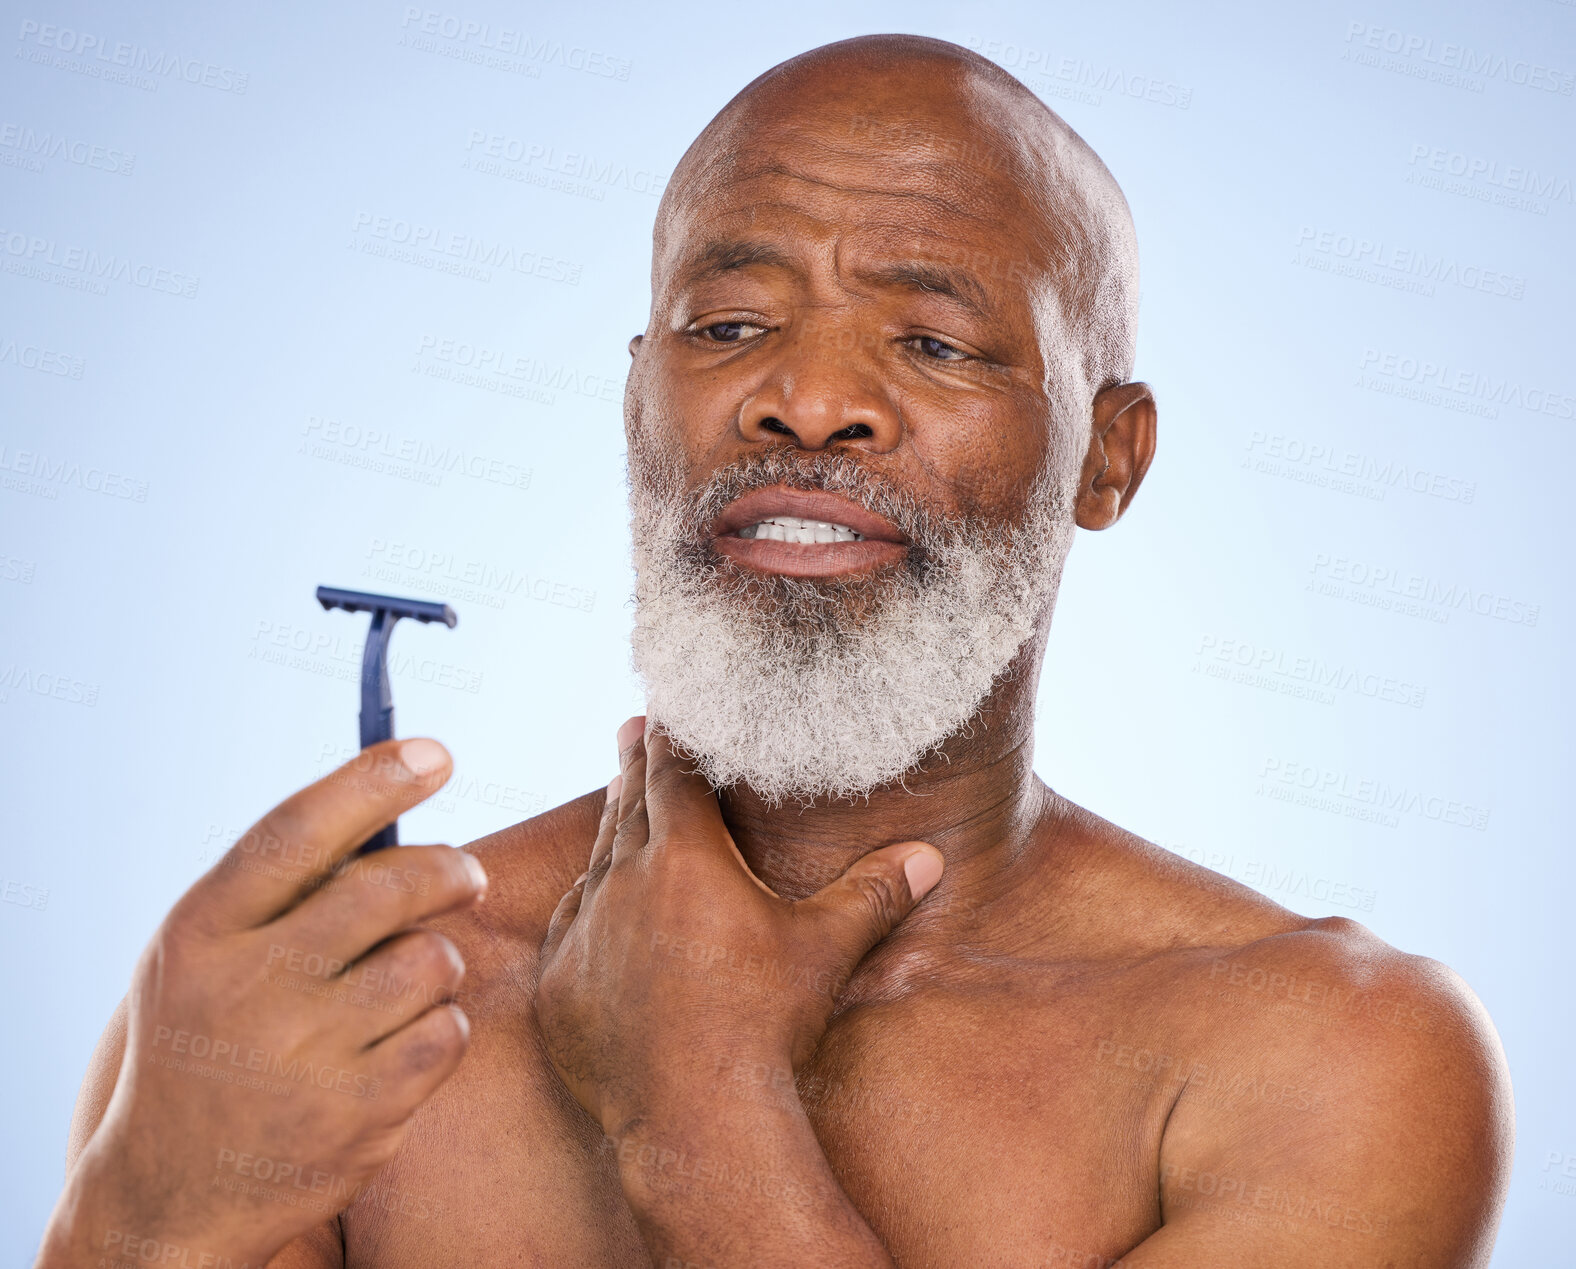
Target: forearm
<point x="718" y="1182"/>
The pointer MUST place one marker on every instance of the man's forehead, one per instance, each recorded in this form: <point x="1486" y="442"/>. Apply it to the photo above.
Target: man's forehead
<point x="902" y="162"/>
<point x="791" y="195"/>
<point x="947" y="143"/>
<point x="972" y="271"/>
<point x="951" y="109"/>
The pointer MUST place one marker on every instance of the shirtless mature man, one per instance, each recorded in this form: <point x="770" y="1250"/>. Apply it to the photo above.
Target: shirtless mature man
<point x="893" y="296"/>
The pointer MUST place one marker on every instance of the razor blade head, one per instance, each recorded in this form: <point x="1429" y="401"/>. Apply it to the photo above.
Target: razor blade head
<point x="332" y="597"/>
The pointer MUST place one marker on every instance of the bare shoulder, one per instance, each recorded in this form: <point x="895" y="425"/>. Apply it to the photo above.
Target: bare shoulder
<point x="1279" y="978"/>
<point x="1334" y="1095"/>
<point x="1324" y="990"/>
<point x="533" y="862"/>
<point x="1211" y="934"/>
<point x="1396" y="1040"/>
<point x="530" y="865"/>
<point x="1334" y="973"/>
<point x="1350" y="1099"/>
<point x="1307" y="1057"/>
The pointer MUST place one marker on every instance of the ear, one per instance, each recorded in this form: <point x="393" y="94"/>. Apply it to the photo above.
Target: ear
<point x="634" y="344"/>
<point x="1121" y="447"/>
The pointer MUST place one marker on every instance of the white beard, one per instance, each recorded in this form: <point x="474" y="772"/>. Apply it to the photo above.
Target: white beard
<point x="810" y="689"/>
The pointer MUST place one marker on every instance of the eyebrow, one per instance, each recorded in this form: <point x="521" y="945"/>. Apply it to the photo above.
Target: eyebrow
<point x="725" y="256"/>
<point x="729" y="254"/>
<point x="962" y="288"/>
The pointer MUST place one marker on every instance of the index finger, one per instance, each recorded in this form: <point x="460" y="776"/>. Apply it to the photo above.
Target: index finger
<point x="678" y="798"/>
<point x="298" y="844"/>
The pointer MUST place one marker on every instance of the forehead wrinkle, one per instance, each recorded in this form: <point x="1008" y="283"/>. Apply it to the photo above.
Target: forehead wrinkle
<point x="948" y="205"/>
<point x="931" y="146"/>
<point x="724" y="255"/>
<point x="884" y="254"/>
<point x="956" y="285"/>
<point x="983" y="202"/>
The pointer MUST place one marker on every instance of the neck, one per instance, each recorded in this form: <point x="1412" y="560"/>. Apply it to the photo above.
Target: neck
<point x="977" y="801"/>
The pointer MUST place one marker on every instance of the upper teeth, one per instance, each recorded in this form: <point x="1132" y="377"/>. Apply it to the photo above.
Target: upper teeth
<point x="793" y="529"/>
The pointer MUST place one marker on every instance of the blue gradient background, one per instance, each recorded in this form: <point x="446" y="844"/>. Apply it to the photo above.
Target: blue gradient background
<point x="218" y="685"/>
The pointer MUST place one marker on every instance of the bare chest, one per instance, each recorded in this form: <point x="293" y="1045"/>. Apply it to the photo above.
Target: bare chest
<point x="979" y="1129"/>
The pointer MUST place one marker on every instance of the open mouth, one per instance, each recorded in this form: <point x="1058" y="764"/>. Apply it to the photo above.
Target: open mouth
<point x="797" y="529"/>
<point x="805" y="533"/>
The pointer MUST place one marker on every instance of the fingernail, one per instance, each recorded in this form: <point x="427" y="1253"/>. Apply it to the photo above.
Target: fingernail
<point x="478" y="873"/>
<point x="923" y="870"/>
<point x="632" y="728"/>
<point x="422" y="755"/>
<point x="614" y="787"/>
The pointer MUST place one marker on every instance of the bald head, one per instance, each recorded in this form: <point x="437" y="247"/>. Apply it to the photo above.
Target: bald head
<point x="975" y="140"/>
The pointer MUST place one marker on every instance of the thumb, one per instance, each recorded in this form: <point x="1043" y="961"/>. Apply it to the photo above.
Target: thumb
<point x="862" y="906"/>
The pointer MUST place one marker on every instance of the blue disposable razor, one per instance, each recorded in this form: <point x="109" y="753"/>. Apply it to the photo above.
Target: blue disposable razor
<point x="377" y="702"/>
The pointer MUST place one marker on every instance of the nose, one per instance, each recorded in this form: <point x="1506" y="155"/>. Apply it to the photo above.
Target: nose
<point x="824" y="389"/>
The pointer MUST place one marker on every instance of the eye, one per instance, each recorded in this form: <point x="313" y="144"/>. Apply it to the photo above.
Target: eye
<point x="728" y="332"/>
<point x="938" y="350"/>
